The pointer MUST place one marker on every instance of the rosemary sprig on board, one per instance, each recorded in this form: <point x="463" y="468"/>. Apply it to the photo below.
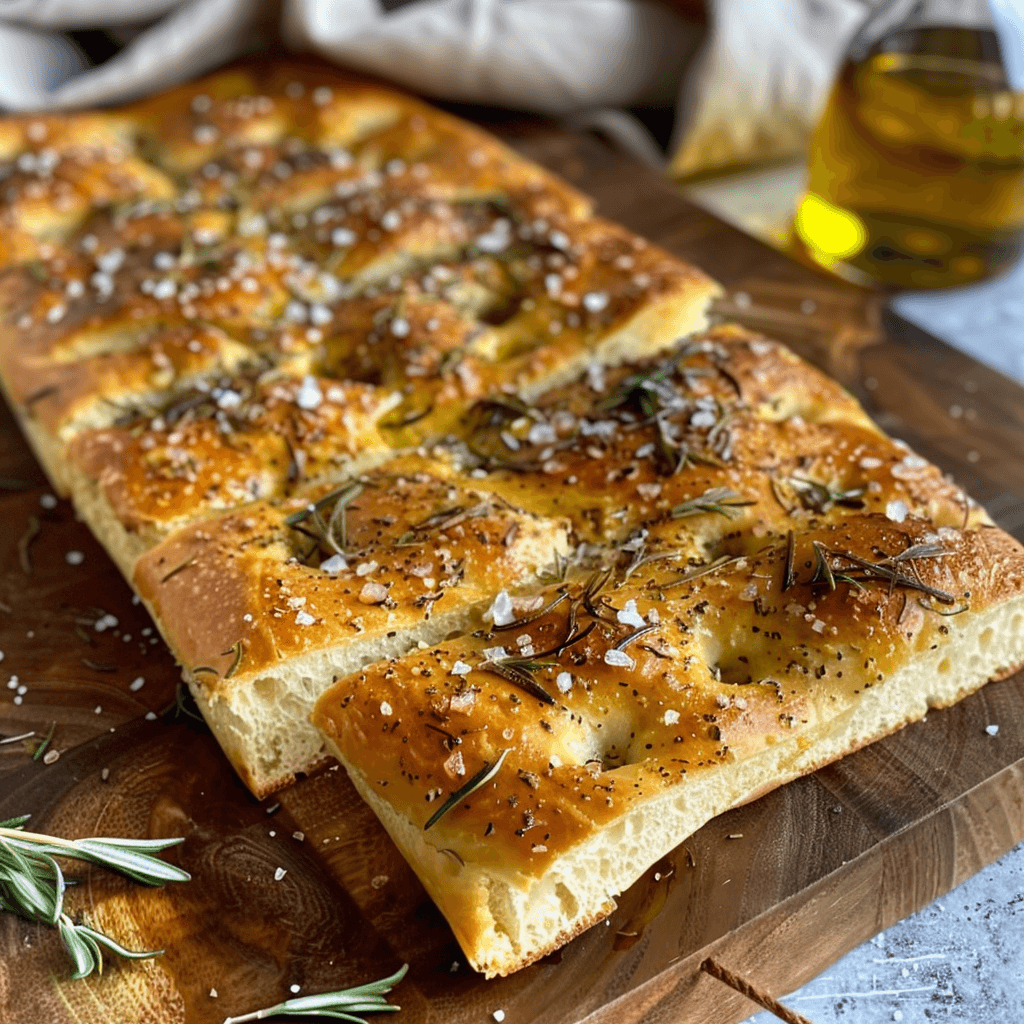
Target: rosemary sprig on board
<point x="32" y="884"/>
<point x="342" y="1005"/>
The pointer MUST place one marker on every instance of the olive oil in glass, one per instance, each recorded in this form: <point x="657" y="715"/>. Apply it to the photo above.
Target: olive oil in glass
<point x="917" y="166"/>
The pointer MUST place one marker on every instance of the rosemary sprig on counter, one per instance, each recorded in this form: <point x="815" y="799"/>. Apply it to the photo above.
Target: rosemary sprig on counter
<point x="32" y="884"/>
<point x="342" y="1005"/>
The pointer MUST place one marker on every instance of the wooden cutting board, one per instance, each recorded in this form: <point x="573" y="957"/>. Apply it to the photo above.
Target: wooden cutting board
<point x="776" y="891"/>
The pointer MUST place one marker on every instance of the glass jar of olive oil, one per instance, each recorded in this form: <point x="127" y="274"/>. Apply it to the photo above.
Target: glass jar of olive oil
<point x="917" y="166"/>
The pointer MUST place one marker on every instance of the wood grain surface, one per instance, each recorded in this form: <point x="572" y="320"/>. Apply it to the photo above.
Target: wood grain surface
<point x="775" y="891"/>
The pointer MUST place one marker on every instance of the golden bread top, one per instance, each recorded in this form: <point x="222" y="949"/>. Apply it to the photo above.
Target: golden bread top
<point x="371" y="558"/>
<point x="299" y="231"/>
<point x="601" y="691"/>
<point x="352" y="374"/>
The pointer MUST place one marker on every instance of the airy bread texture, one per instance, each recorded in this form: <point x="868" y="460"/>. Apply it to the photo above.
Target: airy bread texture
<point x="730" y="687"/>
<point x="263" y="612"/>
<point x="376" y="416"/>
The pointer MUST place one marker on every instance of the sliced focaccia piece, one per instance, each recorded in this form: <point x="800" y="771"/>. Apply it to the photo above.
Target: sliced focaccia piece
<point x="57" y="170"/>
<point x="264" y="607"/>
<point x="217" y="444"/>
<point x="424" y="350"/>
<point x="730" y="436"/>
<point x="533" y="771"/>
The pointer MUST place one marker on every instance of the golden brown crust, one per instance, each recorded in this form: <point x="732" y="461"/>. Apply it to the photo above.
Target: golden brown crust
<point x="419" y="543"/>
<point x="224" y="309"/>
<point x="729" y="662"/>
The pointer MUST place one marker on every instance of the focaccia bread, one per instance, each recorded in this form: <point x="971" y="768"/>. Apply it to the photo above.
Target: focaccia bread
<point x="378" y="418"/>
<point x="766" y="583"/>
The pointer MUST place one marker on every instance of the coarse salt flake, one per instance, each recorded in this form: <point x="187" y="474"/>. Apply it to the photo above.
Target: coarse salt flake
<point x="501" y="612"/>
<point x="896" y="511"/>
<point x="373" y="593"/>
<point x="386" y="709"/>
<point x="137" y="684"/>
<point x="620" y="659"/>
<point x="670" y="717"/>
<point x="74" y="557"/>
<point x="303" y="618"/>
<point x="334" y="565"/>
<point x="992" y="730"/>
<point x="309" y="395"/>
<point x="279" y="873"/>
<point x="460" y="668"/>
<point x="594" y="302"/>
<point x="629" y="616"/>
<point x="564" y="682"/>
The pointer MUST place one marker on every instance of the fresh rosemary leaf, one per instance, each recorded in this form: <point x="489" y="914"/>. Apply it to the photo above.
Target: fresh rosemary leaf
<point x="32" y="884"/>
<point x="481" y="778"/>
<point x="41" y="749"/>
<point x="723" y="500"/>
<point x="341" y="1005"/>
<point x="520" y="671"/>
<point x="115" y="947"/>
<point x="82" y="956"/>
<point x="789" y="573"/>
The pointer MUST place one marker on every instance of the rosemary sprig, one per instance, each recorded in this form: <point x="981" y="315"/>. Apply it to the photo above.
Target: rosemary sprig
<point x="885" y="572"/>
<point x="341" y="1005"/>
<point x="723" y="500"/>
<point x="638" y="390"/>
<point x="817" y="497"/>
<point x="481" y="778"/>
<point x="32" y="884"/>
<point x="331" y="533"/>
<point x="520" y="671"/>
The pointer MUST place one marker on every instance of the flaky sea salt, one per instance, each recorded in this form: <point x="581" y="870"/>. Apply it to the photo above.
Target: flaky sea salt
<point x="620" y="659"/>
<point x="896" y="511"/>
<point x="501" y="612"/>
<point x="629" y="616"/>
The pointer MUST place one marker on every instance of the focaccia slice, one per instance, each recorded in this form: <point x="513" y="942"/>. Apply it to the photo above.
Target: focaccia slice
<point x="265" y="606"/>
<point x="534" y="770"/>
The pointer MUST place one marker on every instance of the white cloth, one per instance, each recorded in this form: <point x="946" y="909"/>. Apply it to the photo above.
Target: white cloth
<point x="551" y="56"/>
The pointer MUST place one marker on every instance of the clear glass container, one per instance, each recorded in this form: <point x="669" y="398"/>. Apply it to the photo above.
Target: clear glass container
<point x="917" y="166"/>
